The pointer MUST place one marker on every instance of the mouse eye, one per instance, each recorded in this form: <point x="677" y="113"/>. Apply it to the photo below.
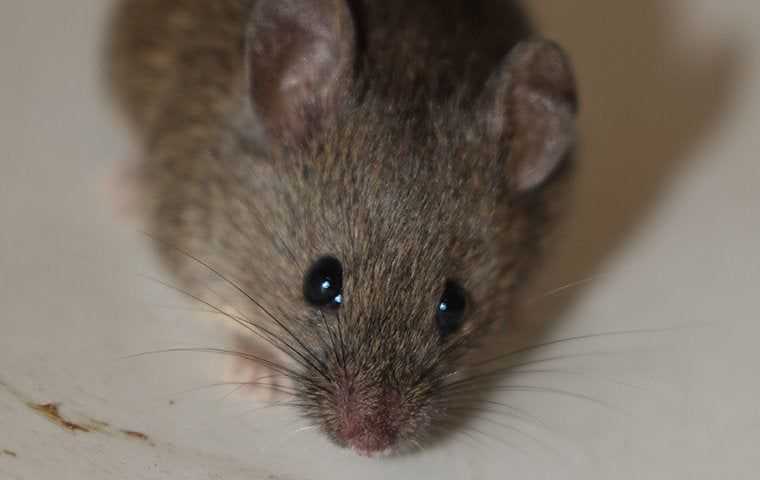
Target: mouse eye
<point x="323" y="283"/>
<point x="449" y="314"/>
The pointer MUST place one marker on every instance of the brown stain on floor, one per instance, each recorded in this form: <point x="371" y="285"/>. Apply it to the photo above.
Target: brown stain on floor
<point x="136" y="435"/>
<point x="52" y="412"/>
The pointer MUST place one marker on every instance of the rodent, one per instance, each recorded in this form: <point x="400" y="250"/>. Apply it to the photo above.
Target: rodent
<point x="376" y="177"/>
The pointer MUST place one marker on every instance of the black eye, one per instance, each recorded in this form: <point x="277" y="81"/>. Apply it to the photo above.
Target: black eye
<point x="449" y="314"/>
<point x="323" y="283"/>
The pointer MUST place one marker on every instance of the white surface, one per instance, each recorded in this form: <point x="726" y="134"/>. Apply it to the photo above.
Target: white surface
<point x="667" y="224"/>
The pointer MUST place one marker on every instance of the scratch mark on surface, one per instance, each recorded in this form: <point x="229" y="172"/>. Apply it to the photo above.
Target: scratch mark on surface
<point x="10" y="453"/>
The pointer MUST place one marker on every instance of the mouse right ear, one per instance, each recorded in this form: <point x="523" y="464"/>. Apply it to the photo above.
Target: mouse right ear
<point x="300" y="57"/>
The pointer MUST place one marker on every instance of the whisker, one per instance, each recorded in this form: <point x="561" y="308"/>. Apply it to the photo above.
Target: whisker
<point x="556" y="291"/>
<point x="321" y="369"/>
<point x="543" y="445"/>
<point x="278" y="404"/>
<point x="327" y="345"/>
<point x="226" y="384"/>
<point x="247" y="356"/>
<point x="580" y="338"/>
<point x="341" y="340"/>
<point x="512" y="411"/>
<point x="416" y="444"/>
<point x="231" y="392"/>
<point x="332" y="336"/>
<point x="449" y="427"/>
<point x="510" y="368"/>
<point x="595" y="376"/>
<point x="555" y="391"/>
<point x="497" y="439"/>
<point x="303" y="429"/>
<point x="258" y="330"/>
<point x="462" y="435"/>
<point x="182" y="309"/>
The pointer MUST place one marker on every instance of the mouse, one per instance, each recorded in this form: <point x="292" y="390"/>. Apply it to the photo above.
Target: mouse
<point x="373" y="181"/>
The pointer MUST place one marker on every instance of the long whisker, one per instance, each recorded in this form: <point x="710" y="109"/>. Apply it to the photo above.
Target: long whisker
<point x="182" y="309"/>
<point x="302" y="430"/>
<point x="254" y="328"/>
<point x="278" y="404"/>
<point x="580" y="338"/>
<point x="321" y="367"/>
<point x="341" y="339"/>
<point x="511" y="411"/>
<point x="548" y="390"/>
<point x="522" y="432"/>
<point x="273" y="387"/>
<point x="333" y="345"/>
<point x="556" y="291"/>
<point x="238" y="384"/>
<point x="500" y="440"/>
<point x="578" y="374"/>
<point x="449" y="428"/>
<point x="247" y="356"/>
<point x="289" y="373"/>
<point x="509" y="368"/>
<point x="329" y="342"/>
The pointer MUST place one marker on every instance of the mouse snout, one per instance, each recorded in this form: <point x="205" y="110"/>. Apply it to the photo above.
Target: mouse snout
<point x="369" y="422"/>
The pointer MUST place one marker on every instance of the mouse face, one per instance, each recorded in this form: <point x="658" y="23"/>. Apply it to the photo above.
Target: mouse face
<point x="375" y="236"/>
<point x="397" y="276"/>
<point x="391" y="281"/>
<point x="393" y="247"/>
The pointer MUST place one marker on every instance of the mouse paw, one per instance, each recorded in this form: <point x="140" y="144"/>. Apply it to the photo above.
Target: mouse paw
<point x="122" y="188"/>
<point x="257" y="379"/>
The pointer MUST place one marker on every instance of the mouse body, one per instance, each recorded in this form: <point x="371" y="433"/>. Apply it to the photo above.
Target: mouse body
<point x="373" y="180"/>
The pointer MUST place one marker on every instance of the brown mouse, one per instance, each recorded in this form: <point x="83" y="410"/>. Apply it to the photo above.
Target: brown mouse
<point x="373" y="178"/>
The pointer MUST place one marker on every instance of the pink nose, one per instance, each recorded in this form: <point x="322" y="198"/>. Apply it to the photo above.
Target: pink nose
<point x="369" y="435"/>
<point x="370" y="429"/>
<point x="371" y="443"/>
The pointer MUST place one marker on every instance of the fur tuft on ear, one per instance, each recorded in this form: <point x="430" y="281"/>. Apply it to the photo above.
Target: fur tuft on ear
<point x="300" y="60"/>
<point x="530" y="106"/>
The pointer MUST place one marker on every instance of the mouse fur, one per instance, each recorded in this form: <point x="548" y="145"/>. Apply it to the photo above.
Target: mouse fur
<point x="417" y="142"/>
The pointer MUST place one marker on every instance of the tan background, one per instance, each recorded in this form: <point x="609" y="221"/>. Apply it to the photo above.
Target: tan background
<point x="667" y="228"/>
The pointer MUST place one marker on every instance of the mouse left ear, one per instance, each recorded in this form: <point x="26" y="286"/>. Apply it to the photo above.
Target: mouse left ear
<point x="529" y="106"/>
<point x="300" y="56"/>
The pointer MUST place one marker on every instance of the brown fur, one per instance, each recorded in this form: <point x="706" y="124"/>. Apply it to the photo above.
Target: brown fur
<point x="404" y="187"/>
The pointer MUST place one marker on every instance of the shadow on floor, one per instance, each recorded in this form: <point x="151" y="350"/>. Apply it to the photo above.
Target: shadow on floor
<point x="649" y="99"/>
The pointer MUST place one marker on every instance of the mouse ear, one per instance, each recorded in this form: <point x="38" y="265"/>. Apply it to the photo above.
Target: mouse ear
<point x="300" y="60"/>
<point x="530" y="105"/>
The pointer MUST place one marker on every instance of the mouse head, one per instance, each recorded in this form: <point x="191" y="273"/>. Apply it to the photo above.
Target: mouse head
<point x="400" y="232"/>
